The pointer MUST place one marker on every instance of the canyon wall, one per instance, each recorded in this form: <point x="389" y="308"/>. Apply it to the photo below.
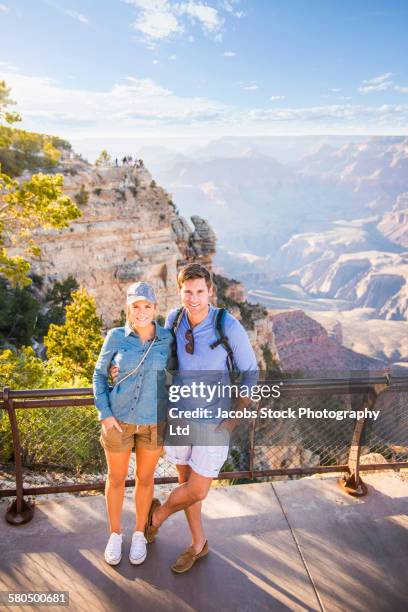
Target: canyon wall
<point x="129" y="230"/>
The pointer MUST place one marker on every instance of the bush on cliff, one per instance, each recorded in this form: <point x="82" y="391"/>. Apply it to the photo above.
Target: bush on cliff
<point x="26" y="314"/>
<point x="28" y="205"/>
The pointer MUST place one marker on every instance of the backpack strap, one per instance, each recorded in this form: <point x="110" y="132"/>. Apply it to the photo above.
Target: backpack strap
<point x="177" y="321"/>
<point x="223" y="340"/>
<point x="174" y="327"/>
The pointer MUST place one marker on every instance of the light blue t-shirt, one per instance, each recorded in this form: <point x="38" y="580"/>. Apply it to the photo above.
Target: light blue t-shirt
<point x="212" y="363"/>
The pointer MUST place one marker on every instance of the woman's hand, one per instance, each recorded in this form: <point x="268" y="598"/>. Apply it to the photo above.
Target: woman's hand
<point x="110" y="422"/>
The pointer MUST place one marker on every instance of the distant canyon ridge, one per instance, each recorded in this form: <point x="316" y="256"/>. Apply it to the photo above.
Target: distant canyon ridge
<point x="131" y="229"/>
<point x="332" y="218"/>
<point x="312" y="223"/>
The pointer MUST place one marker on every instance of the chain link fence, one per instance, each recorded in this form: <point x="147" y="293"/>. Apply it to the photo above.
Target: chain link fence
<point x="305" y="442"/>
<point x="61" y="444"/>
<point x="387" y="437"/>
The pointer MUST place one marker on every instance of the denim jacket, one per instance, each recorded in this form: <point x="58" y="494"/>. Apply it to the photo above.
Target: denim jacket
<point x="139" y="398"/>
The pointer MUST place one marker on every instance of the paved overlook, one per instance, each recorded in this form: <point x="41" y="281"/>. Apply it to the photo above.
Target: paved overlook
<point x="291" y="545"/>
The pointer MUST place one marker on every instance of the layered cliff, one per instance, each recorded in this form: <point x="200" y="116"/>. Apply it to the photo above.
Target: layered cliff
<point x="367" y="279"/>
<point x="394" y="224"/>
<point x="129" y="230"/>
<point x="301" y="343"/>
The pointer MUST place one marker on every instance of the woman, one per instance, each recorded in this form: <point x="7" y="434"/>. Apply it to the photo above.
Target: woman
<point x="130" y="413"/>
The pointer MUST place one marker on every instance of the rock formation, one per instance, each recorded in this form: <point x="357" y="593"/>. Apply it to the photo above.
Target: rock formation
<point x="129" y="230"/>
<point x="301" y="343"/>
<point x="199" y="245"/>
<point x="367" y="279"/>
<point x="394" y="224"/>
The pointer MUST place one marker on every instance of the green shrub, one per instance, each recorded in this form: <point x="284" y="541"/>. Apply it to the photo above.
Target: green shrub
<point x="82" y="197"/>
<point x="271" y="365"/>
<point x="66" y="437"/>
<point x="75" y="344"/>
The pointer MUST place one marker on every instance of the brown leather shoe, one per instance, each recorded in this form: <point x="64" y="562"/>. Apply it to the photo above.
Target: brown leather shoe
<point x="187" y="559"/>
<point x="150" y="530"/>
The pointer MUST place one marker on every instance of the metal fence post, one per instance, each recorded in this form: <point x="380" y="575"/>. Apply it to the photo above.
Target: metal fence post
<point x="252" y="442"/>
<point x="353" y="484"/>
<point x="19" y="511"/>
<point x="251" y="449"/>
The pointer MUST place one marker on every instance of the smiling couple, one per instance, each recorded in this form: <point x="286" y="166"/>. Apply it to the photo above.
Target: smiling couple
<point x="134" y="355"/>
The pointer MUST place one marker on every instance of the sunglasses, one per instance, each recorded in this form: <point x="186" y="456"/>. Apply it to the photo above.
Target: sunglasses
<point x="190" y="342"/>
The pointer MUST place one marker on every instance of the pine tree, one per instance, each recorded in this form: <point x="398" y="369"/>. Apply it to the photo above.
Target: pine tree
<point x="104" y="159"/>
<point x="76" y="344"/>
<point x="37" y="202"/>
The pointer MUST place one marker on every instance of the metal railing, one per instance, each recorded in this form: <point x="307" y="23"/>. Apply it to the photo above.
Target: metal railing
<point x="57" y="430"/>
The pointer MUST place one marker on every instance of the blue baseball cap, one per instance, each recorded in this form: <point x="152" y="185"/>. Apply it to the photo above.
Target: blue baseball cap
<point x="140" y="291"/>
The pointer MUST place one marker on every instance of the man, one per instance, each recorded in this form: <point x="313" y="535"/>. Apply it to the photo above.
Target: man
<point x="197" y="465"/>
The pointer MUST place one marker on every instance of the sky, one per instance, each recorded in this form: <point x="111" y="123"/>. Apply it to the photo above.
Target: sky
<point x="110" y="69"/>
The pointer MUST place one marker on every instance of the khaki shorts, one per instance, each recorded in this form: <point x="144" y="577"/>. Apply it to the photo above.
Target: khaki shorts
<point x="133" y="436"/>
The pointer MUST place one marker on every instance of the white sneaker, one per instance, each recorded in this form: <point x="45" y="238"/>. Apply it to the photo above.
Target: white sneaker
<point x="113" y="550"/>
<point x="138" y="551"/>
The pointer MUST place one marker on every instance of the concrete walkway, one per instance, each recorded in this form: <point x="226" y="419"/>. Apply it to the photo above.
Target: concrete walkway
<point x="293" y="545"/>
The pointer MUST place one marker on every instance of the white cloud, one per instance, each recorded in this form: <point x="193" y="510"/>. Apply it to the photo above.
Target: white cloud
<point x="335" y="89"/>
<point x="8" y="67"/>
<point x="378" y="83"/>
<point x="381" y="83"/>
<point x="276" y="98"/>
<point x="4" y="8"/>
<point x="155" y="62"/>
<point x="207" y="16"/>
<point x="378" y="79"/>
<point x="132" y="104"/>
<point x="229" y="54"/>
<point x="158" y="20"/>
<point x="355" y="116"/>
<point x="78" y="16"/>
<point x="228" y="6"/>
<point x="365" y="89"/>
<point x="172" y="57"/>
<point x="142" y="106"/>
<point x="251" y="87"/>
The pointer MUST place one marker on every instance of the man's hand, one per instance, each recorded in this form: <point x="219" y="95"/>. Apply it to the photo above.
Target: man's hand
<point x="110" y="422"/>
<point x="230" y="424"/>
<point x="227" y="425"/>
<point x="113" y="372"/>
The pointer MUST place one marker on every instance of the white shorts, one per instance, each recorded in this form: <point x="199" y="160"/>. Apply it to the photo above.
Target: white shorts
<point x="204" y="460"/>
